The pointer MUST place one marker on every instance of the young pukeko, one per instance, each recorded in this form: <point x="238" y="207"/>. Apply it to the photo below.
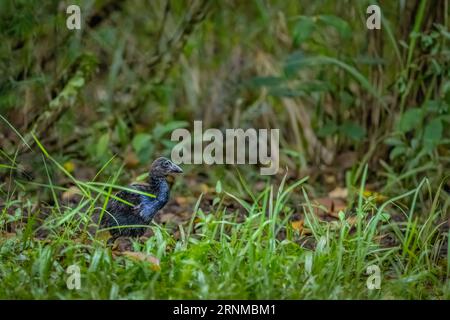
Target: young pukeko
<point x="144" y="207"/>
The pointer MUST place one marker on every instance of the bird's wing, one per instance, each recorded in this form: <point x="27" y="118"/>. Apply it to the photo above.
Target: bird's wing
<point x="143" y="187"/>
<point x="140" y="186"/>
<point x="148" y="206"/>
<point x="128" y="196"/>
<point x="115" y="205"/>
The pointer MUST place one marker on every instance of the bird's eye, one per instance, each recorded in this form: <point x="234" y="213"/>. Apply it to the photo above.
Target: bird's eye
<point x="166" y="164"/>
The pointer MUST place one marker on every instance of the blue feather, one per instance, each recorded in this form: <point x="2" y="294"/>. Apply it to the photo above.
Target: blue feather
<point x="149" y="206"/>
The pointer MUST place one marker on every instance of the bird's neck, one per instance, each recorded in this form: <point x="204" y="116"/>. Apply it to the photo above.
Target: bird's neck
<point x="159" y="187"/>
<point x="157" y="183"/>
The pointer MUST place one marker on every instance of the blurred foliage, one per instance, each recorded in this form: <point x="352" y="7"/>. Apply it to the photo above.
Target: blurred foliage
<point x="363" y="113"/>
<point x="310" y="68"/>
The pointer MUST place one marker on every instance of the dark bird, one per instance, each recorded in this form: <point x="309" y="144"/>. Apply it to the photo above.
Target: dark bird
<point x="144" y="207"/>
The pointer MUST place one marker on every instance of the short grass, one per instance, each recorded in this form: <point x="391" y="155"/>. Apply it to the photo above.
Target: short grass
<point x="219" y="257"/>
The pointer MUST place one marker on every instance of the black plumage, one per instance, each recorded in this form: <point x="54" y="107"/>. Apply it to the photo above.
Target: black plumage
<point x="143" y="208"/>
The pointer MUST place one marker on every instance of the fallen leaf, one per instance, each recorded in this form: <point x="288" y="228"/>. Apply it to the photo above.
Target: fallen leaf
<point x="322" y="206"/>
<point x="328" y="206"/>
<point x="181" y="200"/>
<point x="167" y="217"/>
<point x="338" y="205"/>
<point x="177" y="235"/>
<point x="197" y="220"/>
<point x="121" y="244"/>
<point x="339" y="192"/>
<point x="205" y="189"/>
<point x="300" y="227"/>
<point x="103" y="235"/>
<point x="330" y="178"/>
<point x="141" y="256"/>
<point x="378" y="197"/>
<point x="131" y="160"/>
<point x="297" y="225"/>
<point x="71" y="194"/>
<point x="352" y="220"/>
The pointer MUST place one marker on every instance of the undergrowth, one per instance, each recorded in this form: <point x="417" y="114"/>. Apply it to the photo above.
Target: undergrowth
<point x="219" y="256"/>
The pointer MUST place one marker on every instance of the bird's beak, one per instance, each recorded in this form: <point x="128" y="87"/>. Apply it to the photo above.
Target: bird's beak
<point x="175" y="169"/>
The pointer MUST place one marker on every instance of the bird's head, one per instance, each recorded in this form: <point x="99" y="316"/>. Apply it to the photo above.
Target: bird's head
<point x="162" y="167"/>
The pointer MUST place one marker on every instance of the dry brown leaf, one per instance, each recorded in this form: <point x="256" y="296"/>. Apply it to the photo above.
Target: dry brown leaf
<point x="182" y="200"/>
<point x="297" y="225"/>
<point x="170" y="218"/>
<point x="378" y="197"/>
<point x="197" y="220"/>
<point x="306" y="232"/>
<point x="205" y="189"/>
<point x="121" y="244"/>
<point x="322" y="205"/>
<point x="131" y="160"/>
<point x="352" y="220"/>
<point x="328" y="206"/>
<point x="338" y="192"/>
<point x="141" y="256"/>
<point x="166" y="217"/>
<point x="177" y="235"/>
<point x="338" y="205"/>
<point x="103" y="235"/>
<point x="71" y="194"/>
<point x="330" y="178"/>
<point x="300" y="227"/>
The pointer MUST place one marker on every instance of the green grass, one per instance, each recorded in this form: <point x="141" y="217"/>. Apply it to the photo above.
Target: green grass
<point x="309" y="68"/>
<point x="217" y="256"/>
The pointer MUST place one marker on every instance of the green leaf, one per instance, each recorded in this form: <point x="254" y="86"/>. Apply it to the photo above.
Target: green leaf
<point x="297" y="61"/>
<point x="161" y="130"/>
<point x="286" y="92"/>
<point x="327" y="129"/>
<point x="102" y="145"/>
<point x="122" y="131"/>
<point x="393" y="141"/>
<point x="142" y="145"/>
<point x="77" y="82"/>
<point x="433" y="106"/>
<point x="433" y="133"/>
<point x="141" y="141"/>
<point x="314" y="86"/>
<point x="338" y="23"/>
<point x="266" y="81"/>
<point x="396" y="152"/>
<point x="353" y="130"/>
<point x="302" y="30"/>
<point x="411" y="119"/>
<point x="294" y="62"/>
<point x="218" y="187"/>
<point x="415" y="143"/>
